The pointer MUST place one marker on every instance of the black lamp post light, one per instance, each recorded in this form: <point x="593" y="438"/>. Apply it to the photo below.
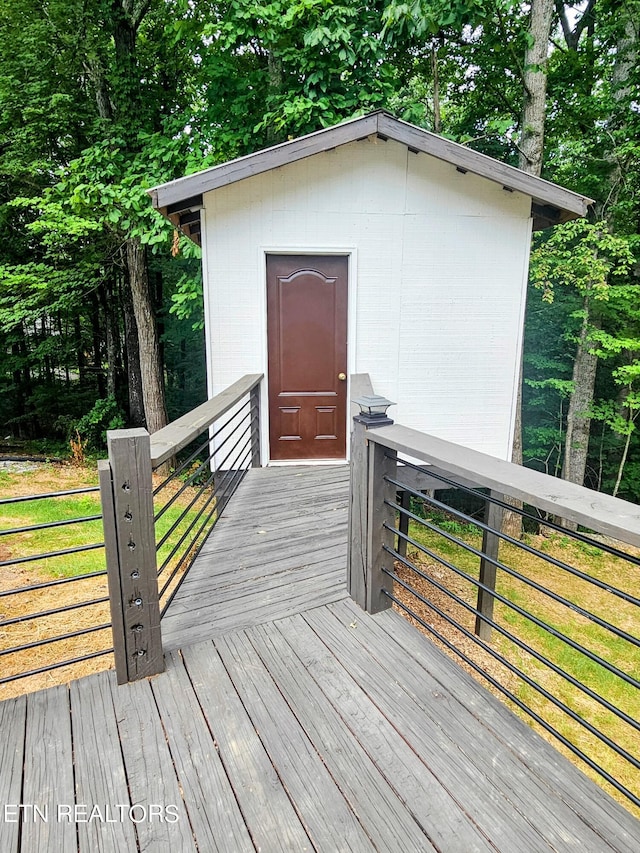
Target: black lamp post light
<point x="373" y="410"/>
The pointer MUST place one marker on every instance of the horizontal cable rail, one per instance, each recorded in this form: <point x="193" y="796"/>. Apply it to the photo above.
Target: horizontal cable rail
<point x="68" y="636"/>
<point x="234" y="484"/>
<point x="46" y="622"/>
<point x="63" y="552"/>
<point x="197" y="488"/>
<point x="53" y="611"/>
<point x="548" y="620"/>
<point x="436" y="532"/>
<point x="521" y="612"/>
<point x="23" y="498"/>
<point x="47" y="584"/>
<point x="516" y="671"/>
<point x="212" y="499"/>
<point x="546" y="522"/>
<point x="57" y="665"/>
<point x="192" y="477"/>
<point x="512" y="572"/>
<point x="49" y="524"/>
<point x="203" y="446"/>
<point x="514" y="698"/>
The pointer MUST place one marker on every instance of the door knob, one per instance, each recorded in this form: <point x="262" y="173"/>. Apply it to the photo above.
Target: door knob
<point x="342" y="376"/>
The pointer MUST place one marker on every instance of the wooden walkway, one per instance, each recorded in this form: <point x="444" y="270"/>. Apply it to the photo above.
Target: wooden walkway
<point x="320" y="728"/>
<point x="279" y="549"/>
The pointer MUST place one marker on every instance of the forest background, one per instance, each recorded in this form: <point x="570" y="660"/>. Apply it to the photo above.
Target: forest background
<point x="101" y="301"/>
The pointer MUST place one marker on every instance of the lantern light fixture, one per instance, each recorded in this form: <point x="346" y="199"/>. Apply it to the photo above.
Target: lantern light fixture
<point x="373" y="410"/>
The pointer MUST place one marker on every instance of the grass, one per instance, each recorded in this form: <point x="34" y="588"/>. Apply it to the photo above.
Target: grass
<point x="620" y="653"/>
<point x="47" y="478"/>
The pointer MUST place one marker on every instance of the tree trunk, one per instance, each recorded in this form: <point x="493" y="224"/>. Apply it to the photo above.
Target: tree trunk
<point x="107" y="297"/>
<point x="531" y="149"/>
<point x="150" y="364"/>
<point x="535" y="87"/>
<point x="132" y="351"/>
<point x="79" y="342"/>
<point x="96" y="331"/>
<point x="118" y="105"/>
<point x="437" y="116"/>
<point x="578" y="416"/>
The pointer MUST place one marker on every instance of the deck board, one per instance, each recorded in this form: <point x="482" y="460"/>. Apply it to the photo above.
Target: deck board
<point x="397" y="793"/>
<point x="289" y="719"/>
<point x="461" y="752"/>
<point x="95" y="732"/>
<point x="150" y="772"/>
<point x="303" y="772"/>
<point x="214" y="813"/>
<point x="12" y="726"/>
<point x="267" y="810"/>
<point x="279" y="549"/>
<point x="48" y="772"/>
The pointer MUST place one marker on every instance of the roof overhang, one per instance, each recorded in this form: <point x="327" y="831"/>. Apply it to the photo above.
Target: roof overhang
<point x="181" y="200"/>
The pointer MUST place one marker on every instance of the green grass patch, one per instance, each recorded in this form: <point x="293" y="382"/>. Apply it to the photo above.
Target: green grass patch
<point x="49" y="539"/>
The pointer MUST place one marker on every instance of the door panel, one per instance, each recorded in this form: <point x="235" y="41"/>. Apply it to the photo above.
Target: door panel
<point x="307" y="345"/>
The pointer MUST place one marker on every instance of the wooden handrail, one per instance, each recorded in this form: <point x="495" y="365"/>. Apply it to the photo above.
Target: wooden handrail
<point x="595" y="510"/>
<point x="126" y="488"/>
<point x="171" y="439"/>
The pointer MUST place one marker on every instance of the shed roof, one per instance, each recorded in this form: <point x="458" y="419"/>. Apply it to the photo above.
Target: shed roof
<point x="181" y="200"/>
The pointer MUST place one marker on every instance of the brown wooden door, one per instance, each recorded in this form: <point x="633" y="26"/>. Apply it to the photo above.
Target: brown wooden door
<point x="307" y="344"/>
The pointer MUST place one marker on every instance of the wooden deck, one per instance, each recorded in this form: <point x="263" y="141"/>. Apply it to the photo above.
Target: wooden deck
<point x="279" y="549"/>
<point x="288" y="719"/>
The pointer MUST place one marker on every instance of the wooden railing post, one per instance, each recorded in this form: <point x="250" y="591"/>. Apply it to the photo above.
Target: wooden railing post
<point x="255" y="427"/>
<point x="127" y="500"/>
<point x="367" y="513"/>
<point x="490" y="546"/>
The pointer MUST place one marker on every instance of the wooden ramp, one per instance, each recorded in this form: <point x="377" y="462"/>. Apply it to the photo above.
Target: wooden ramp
<point x="280" y="548"/>
<point x="324" y="729"/>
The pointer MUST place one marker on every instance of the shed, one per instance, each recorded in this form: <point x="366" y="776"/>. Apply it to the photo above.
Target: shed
<point x="376" y="247"/>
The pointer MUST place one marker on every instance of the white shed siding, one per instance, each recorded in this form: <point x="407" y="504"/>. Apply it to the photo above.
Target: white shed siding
<point x="439" y="283"/>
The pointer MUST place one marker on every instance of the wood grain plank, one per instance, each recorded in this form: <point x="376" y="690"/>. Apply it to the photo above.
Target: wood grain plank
<point x="193" y="626"/>
<point x="323" y="810"/>
<point x="12" y="726"/>
<point x="283" y="551"/>
<point x="267" y="810"/>
<point x="489" y="804"/>
<point x="225" y="573"/>
<point x="99" y="769"/>
<point x="48" y="772"/>
<point x="478" y="752"/>
<point x="440" y="813"/>
<point x="357" y="556"/>
<point x="254" y="584"/>
<point x="251" y="580"/>
<point x="168" y="441"/>
<point x="387" y="821"/>
<point x="150" y="772"/>
<point x="597" y="511"/>
<point x="616" y="827"/>
<point x="136" y="553"/>
<point x="217" y="822"/>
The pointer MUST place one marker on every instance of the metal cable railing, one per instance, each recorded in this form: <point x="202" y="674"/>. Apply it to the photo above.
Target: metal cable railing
<point x="522" y="618"/>
<point x="47" y="623"/>
<point x="154" y="530"/>
<point x="228" y="451"/>
<point x="143" y="526"/>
